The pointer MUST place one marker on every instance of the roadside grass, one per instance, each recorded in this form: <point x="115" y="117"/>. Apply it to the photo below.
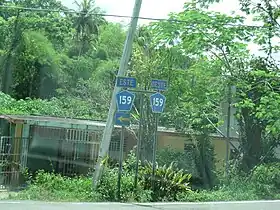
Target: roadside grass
<point x="57" y="188"/>
<point x="263" y="184"/>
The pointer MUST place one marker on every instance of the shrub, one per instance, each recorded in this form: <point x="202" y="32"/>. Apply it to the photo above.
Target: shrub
<point x="130" y="162"/>
<point x="237" y="190"/>
<point x="183" y="160"/>
<point x="54" y="187"/>
<point x="169" y="181"/>
<point x="108" y="187"/>
<point x="233" y="194"/>
<point x="266" y="179"/>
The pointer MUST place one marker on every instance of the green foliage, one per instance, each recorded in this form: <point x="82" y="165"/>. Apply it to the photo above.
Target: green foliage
<point x="52" y="187"/>
<point x="197" y="100"/>
<point x="227" y="194"/>
<point x="257" y="97"/>
<point x="169" y="181"/>
<point x="86" y="24"/>
<point x="183" y="160"/>
<point x="267" y="180"/>
<point x="72" y="60"/>
<point x="130" y="162"/>
<point x="112" y="37"/>
<point x="108" y="187"/>
<point x="34" y="67"/>
<point x="172" y="186"/>
<point x="205" y="160"/>
<point x="262" y="184"/>
<point x="69" y="107"/>
<point x="25" y="107"/>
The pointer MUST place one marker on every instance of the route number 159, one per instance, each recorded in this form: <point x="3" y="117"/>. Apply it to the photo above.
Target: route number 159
<point x="157" y="102"/>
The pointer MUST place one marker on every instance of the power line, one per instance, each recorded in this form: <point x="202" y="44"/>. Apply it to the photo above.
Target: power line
<point x="76" y="12"/>
<point x="112" y="15"/>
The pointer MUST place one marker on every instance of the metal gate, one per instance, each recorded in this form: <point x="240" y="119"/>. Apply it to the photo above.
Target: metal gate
<point x="13" y="157"/>
<point x="78" y="152"/>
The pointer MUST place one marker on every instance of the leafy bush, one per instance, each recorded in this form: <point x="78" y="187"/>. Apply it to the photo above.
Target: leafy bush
<point x="264" y="183"/>
<point x="183" y="160"/>
<point x="237" y="189"/>
<point x="108" y="187"/>
<point x="233" y="194"/>
<point x="59" y="107"/>
<point x="130" y="162"/>
<point x="54" y="187"/>
<point x="169" y="181"/>
<point x="171" y="184"/>
<point x="266" y="179"/>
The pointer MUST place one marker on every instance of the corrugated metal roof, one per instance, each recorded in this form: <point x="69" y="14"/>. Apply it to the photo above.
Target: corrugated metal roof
<point x="32" y="119"/>
<point x="13" y="118"/>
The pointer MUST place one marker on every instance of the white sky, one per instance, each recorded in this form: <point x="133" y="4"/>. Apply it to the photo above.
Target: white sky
<point x="161" y="9"/>
<point x="152" y="8"/>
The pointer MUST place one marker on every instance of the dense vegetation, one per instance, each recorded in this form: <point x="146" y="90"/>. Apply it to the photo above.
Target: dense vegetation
<point x="65" y="64"/>
<point x="172" y="185"/>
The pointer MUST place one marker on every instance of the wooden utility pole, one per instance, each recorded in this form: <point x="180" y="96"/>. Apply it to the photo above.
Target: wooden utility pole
<point x="107" y="133"/>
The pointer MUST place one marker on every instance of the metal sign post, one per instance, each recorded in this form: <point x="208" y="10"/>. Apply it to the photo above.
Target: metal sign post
<point x="125" y="100"/>
<point x="120" y="163"/>
<point x="154" y="152"/>
<point x="122" y="119"/>
<point x="157" y="101"/>
<point x="124" y="103"/>
<point x="139" y="140"/>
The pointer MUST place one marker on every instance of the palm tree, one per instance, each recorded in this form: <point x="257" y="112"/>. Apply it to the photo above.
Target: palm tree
<point x="87" y="23"/>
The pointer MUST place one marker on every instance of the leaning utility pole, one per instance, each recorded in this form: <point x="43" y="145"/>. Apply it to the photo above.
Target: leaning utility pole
<point x="107" y="133"/>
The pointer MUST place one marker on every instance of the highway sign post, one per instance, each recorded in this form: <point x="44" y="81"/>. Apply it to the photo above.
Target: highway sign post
<point x="125" y="100"/>
<point x="122" y="119"/>
<point x="139" y="140"/>
<point x="120" y="163"/>
<point x="157" y="101"/>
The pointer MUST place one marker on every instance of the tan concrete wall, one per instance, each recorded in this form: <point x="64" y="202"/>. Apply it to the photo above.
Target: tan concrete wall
<point x="220" y="151"/>
<point x="177" y="141"/>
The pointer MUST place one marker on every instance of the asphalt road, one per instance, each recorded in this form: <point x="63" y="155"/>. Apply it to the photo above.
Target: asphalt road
<point x="32" y="205"/>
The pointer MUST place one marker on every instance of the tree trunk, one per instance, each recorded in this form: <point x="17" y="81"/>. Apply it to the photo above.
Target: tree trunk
<point x="251" y="140"/>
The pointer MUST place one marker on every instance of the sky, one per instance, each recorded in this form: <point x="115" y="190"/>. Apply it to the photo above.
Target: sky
<point x="152" y="8"/>
<point x="161" y="9"/>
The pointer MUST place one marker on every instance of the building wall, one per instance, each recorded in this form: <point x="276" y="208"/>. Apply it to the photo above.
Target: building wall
<point x="175" y="141"/>
<point x="220" y="151"/>
<point x="178" y="141"/>
<point x="47" y="145"/>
